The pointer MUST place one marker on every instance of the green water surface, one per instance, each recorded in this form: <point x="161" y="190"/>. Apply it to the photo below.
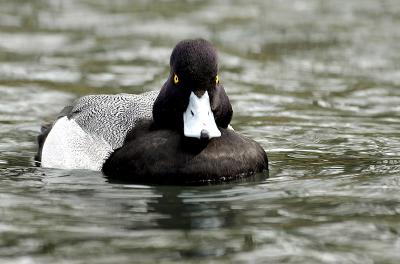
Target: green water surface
<point x="316" y="83"/>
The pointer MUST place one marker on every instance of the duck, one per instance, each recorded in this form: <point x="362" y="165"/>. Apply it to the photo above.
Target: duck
<point x="180" y="134"/>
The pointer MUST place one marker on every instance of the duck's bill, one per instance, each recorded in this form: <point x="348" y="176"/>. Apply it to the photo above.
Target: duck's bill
<point x="198" y="119"/>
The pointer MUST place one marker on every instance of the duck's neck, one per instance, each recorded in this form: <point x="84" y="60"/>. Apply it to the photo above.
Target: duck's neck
<point x="172" y="102"/>
<point x="169" y="107"/>
<point x="221" y="106"/>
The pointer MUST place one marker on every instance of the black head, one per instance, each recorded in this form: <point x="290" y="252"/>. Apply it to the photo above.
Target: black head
<point x="195" y="64"/>
<point x="193" y="74"/>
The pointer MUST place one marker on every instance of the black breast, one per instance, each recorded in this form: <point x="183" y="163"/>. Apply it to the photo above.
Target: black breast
<point x="166" y="157"/>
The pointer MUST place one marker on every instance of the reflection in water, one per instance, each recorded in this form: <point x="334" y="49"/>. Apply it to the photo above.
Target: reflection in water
<point x="199" y="214"/>
<point x="315" y="82"/>
<point x="182" y="214"/>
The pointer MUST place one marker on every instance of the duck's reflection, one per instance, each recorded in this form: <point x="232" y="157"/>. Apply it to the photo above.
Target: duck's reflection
<point x="201" y="207"/>
<point x="203" y="220"/>
<point x="185" y="209"/>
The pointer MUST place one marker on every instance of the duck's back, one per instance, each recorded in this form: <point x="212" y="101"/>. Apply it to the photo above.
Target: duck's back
<point x="86" y="132"/>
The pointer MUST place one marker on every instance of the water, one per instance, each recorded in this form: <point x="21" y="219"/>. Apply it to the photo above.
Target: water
<point x="315" y="82"/>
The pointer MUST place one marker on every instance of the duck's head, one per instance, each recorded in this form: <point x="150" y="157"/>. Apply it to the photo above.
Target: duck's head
<point x="192" y="99"/>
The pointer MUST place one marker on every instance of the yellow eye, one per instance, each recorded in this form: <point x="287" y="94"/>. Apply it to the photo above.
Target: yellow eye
<point x="176" y="79"/>
<point x="217" y="79"/>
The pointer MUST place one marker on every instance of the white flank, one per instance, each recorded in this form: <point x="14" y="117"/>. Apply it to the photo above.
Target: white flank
<point x="69" y="147"/>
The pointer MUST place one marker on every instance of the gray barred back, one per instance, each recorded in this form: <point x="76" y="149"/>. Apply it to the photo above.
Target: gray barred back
<point x="110" y="117"/>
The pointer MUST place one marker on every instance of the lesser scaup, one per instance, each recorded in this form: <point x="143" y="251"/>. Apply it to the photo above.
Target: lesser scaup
<point x="178" y="135"/>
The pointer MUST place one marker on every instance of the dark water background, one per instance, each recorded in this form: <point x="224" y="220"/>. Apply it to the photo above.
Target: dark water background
<point x="316" y="82"/>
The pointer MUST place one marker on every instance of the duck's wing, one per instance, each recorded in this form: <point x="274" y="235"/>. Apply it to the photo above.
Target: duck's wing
<point x="110" y="117"/>
<point x="105" y="117"/>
